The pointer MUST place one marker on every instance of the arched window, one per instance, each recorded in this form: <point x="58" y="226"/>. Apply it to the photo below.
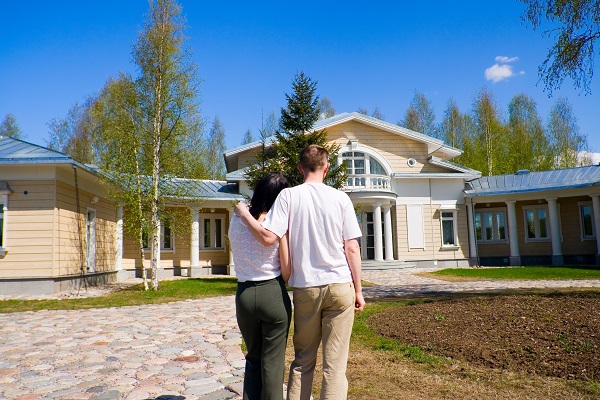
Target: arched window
<point x="364" y="171"/>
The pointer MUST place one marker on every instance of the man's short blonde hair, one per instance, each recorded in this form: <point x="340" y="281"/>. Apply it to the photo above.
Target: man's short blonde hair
<point x="313" y="157"/>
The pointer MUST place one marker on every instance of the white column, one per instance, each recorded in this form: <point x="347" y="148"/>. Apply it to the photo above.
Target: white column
<point x="596" y="210"/>
<point x="513" y="237"/>
<point x="387" y="232"/>
<point x="231" y="266"/>
<point x="472" y="241"/>
<point x="119" y="240"/>
<point x="195" y="240"/>
<point x="557" y="258"/>
<point x="377" y="232"/>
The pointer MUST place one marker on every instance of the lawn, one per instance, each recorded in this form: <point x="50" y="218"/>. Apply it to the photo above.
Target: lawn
<point x="522" y="273"/>
<point x="174" y="290"/>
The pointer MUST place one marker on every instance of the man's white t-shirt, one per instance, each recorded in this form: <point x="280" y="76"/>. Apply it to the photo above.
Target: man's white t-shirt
<point x="318" y="218"/>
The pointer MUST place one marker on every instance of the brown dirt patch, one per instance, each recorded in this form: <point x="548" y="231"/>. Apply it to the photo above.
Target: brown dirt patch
<point x="548" y="335"/>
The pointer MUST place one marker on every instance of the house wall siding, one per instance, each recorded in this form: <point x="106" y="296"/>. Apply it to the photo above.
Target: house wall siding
<point x="30" y="226"/>
<point x="71" y="247"/>
<point x="570" y="224"/>
<point x="180" y="255"/>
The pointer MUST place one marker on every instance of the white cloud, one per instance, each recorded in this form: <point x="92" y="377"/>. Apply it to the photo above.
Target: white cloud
<point x="504" y="59"/>
<point x="501" y="70"/>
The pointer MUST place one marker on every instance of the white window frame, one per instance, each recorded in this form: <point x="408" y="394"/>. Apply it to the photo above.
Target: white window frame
<point x="91" y="239"/>
<point x="454" y="213"/>
<point x="160" y="239"/>
<point x="3" y="218"/>
<point x="536" y="223"/>
<point x="494" y="212"/>
<point x="580" y="206"/>
<point x="213" y="239"/>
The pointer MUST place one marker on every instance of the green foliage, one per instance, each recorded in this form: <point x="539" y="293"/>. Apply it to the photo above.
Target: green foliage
<point x="489" y="135"/>
<point x="326" y="108"/>
<point x="494" y="146"/>
<point x="528" y="146"/>
<point x="215" y="149"/>
<point x="9" y="127"/>
<point x="575" y="27"/>
<point x="76" y="135"/>
<point x="302" y="109"/>
<point x="248" y="137"/>
<point x="282" y="153"/>
<point x="566" y="140"/>
<point x="420" y="116"/>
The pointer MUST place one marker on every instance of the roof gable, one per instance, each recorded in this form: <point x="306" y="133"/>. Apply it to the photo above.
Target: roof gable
<point x="433" y="144"/>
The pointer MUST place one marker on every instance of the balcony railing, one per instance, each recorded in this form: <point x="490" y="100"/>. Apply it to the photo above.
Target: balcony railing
<point x="364" y="182"/>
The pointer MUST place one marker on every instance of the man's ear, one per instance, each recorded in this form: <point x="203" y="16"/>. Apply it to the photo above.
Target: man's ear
<point x="300" y="169"/>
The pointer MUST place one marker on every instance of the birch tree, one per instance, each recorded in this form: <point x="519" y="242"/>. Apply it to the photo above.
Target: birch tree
<point x="248" y="137"/>
<point x="567" y="141"/>
<point x="9" y="127"/>
<point x="166" y="91"/>
<point x="575" y="27"/>
<point x="527" y="144"/>
<point x="489" y="136"/>
<point x="215" y="149"/>
<point x="420" y="116"/>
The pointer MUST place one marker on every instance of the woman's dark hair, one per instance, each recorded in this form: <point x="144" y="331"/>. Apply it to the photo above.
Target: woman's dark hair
<point x="265" y="193"/>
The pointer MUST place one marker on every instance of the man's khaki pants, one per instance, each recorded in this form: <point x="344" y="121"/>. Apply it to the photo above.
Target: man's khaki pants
<point x="321" y="313"/>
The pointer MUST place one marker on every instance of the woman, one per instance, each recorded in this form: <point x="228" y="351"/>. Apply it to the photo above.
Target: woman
<point x="263" y="306"/>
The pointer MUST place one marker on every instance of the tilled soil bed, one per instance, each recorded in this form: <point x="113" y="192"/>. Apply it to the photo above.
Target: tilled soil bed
<point x="551" y="335"/>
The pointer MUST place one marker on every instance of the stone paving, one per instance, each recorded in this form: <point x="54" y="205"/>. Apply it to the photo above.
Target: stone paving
<point x="177" y="351"/>
<point x="182" y="350"/>
<point x="405" y="283"/>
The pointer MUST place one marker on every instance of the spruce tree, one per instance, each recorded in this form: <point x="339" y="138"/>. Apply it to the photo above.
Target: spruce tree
<point x="297" y="120"/>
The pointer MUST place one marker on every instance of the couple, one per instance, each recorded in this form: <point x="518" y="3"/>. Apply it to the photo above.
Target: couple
<point x="306" y="234"/>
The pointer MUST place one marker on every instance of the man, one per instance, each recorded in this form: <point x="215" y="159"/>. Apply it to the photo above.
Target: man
<point x="325" y="256"/>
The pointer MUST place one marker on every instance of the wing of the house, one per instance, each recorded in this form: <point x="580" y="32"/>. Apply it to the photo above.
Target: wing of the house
<point x="59" y="228"/>
<point x="536" y="218"/>
<point x="408" y="193"/>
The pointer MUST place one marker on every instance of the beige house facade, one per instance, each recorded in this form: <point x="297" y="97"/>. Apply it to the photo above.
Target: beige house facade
<point x="536" y="218"/>
<point x="60" y="230"/>
<point x="408" y="193"/>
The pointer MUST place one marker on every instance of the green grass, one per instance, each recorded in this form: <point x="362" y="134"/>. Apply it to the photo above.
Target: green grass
<point x="362" y="334"/>
<point x="169" y="291"/>
<point x="524" y="273"/>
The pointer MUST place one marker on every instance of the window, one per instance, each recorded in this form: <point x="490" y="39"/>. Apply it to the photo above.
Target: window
<point x="212" y="230"/>
<point x="4" y="192"/>
<point x="448" y="220"/>
<point x="1" y="225"/>
<point x="90" y="240"/>
<point x="586" y="217"/>
<point x="490" y="226"/>
<point x="536" y="223"/>
<point x="364" y="171"/>
<point x="166" y="236"/>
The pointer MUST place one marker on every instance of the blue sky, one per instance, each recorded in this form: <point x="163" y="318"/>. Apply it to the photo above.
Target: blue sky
<point x="362" y="54"/>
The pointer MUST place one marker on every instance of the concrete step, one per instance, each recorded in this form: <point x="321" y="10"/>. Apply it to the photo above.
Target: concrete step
<point x="372" y="265"/>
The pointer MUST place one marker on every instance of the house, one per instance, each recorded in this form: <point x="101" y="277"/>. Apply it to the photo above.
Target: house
<point x="409" y="194"/>
<point x="536" y="218"/>
<point x="59" y="229"/>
